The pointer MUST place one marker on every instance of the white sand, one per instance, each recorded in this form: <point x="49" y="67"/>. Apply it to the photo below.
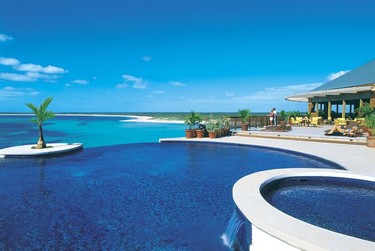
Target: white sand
<point x="139" y="119"/>
<point x="146" y="119"/>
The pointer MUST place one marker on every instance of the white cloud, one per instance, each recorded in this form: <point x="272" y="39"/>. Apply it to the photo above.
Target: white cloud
<point x="147" y="58"/>
<point x="80" y="82"/>
<point x="27" y="77"/>
<point x="38" y="68"/>
<point x="122" y="86"/>
<point x="4" y="38"/>
<point x="230" y="94"/>
<point x="139" y="85"/>
<point x="131" y="78"/>
<point x="9" y="61"/>
<point x="176" y="83"/>
<point x="280" y="93"/>
<point x="158" y="92"/>
<point x="333" y="76"/>
<point x="17" y="92"/>
<point x="17" y="77"/>
<point x="135" y="82"/>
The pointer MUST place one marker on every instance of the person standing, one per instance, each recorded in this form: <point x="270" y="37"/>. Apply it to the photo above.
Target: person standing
<point x="274" y="116"/>
<point x="271" y="115"/>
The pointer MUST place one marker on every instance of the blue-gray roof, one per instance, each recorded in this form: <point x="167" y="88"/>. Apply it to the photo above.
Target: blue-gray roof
<point x="362" y="75"/>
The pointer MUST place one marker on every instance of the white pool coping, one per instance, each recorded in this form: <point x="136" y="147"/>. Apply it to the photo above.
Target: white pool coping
<point x="287" y="229"/>
<point x="29" y="151"/>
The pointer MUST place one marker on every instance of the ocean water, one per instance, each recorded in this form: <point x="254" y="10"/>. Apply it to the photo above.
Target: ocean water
<point x="92" y="131"/>
<point x="119" y="195"/>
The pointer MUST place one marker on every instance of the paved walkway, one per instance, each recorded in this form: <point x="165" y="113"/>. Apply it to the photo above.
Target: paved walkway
<point x="353" y="157"/>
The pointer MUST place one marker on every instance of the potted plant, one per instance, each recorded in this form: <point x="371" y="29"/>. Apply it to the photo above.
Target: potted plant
<point x="244" y="115"/>
<point x="192" y="120"/>
<point x="370" y="123"/>
<point x="211" y="127"/>
<point x="41" y="115"/>
<point x="364" y="111"/>
<point x="224" y="121"/>
<point x="200" y="131"/>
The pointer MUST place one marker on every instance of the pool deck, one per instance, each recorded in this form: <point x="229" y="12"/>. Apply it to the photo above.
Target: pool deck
<point x="350" y="153"/>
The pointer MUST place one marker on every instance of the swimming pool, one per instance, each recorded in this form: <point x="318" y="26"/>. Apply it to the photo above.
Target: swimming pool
<point x="169" y="196"/>
<point x="338" y="204"/>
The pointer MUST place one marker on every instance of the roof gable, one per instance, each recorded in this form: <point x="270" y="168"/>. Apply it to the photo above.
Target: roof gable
<point x="362" y="75"/>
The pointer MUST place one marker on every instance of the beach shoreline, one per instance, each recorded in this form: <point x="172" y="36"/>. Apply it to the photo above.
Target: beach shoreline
<point x="134" y="118"/>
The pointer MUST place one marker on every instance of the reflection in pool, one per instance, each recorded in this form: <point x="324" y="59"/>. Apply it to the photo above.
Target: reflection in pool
<point x="165" y="196"/>
<point x="341" y="205"/>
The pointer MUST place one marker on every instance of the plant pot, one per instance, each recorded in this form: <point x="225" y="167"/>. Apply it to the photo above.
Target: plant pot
<point x="200" y="133"/>
<point x="226" y="131"/>
<point x="244" y="127"/>
<point x="219" y="133"/>
<point x="371" y="141"/>
<point x="190" y="133"/>
<point x="212" y="135"/>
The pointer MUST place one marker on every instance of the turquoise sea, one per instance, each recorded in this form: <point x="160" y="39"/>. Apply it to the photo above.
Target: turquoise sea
<point x="92" y="131"/>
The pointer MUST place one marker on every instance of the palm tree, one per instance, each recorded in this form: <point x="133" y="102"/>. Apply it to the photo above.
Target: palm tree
<point x="41" y="115"/>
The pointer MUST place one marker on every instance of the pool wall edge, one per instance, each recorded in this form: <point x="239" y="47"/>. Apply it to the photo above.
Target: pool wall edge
<point x="285" y="228"/>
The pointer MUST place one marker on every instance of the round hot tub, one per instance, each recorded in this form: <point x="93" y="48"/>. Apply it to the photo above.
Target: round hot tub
<point x="306" y="209"/>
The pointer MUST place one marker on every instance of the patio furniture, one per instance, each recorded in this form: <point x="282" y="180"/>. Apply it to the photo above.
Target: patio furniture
<point x="316" y="121"/>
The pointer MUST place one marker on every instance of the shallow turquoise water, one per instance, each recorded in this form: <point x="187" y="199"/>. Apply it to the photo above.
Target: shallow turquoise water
<point x="91" y="131"/>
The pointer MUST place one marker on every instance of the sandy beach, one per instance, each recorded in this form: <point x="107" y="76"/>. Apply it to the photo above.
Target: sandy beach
<point x="134" y="118"/>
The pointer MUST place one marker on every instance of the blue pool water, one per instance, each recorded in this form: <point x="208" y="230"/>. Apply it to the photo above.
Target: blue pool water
<point x="341" y="205"/>
<point x="143" y="196"/>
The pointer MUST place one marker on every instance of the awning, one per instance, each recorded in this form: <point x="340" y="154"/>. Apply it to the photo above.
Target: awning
<point x="305" y="96"/>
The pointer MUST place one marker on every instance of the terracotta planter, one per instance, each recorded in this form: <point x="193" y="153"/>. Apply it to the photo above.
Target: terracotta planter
<point x="190" y="133"/>
<point x="371" y="141"/>
<point x="212" y="135"/>
<point x="226" y="131"/>
<point x="200" y="133"/>
<point x="244" y="127"/>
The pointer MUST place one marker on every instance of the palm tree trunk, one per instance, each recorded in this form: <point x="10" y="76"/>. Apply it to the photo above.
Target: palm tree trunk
<point x="41" y="143"/>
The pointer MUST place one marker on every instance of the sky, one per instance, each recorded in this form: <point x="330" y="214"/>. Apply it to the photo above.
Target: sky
<point x="177" y="55"/>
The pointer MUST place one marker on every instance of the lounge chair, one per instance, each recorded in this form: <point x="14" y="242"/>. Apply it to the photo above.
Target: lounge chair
<point x="352" y="130"/>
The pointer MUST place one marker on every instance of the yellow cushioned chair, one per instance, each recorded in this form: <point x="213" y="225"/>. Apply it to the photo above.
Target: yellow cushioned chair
<point x="316" y="121"/>
<point x="340" y="122"/>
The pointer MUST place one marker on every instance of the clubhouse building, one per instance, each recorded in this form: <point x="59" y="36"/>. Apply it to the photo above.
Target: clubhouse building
<point x="341" y="96"/>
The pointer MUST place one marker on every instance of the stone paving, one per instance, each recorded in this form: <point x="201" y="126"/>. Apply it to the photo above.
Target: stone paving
<point x="351" y="155"/>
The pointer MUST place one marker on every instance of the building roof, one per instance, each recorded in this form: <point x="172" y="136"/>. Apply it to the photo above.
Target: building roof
<point x="358" y="80"/>
<point x="363" y="75"/>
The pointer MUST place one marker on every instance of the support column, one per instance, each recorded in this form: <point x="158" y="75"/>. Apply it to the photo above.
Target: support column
<point x="372" y="99"/>
<point x="360" y="102"/>
<point x="329" y="112"/>
<point x="310" y="106"/>
<point x="343" y="109"/>
<point x="317" y="109"/>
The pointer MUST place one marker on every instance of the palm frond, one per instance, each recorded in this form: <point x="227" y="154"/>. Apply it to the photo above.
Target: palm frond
<point x="32" y="107"/>
<point x="34" y="120"/>
<point x="48" y="115"/>
<point x="41" y="114"/>
<point x="45" y="104"/>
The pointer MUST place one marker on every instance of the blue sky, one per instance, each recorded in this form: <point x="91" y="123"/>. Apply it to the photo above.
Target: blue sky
<point x="174" y="55"/>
